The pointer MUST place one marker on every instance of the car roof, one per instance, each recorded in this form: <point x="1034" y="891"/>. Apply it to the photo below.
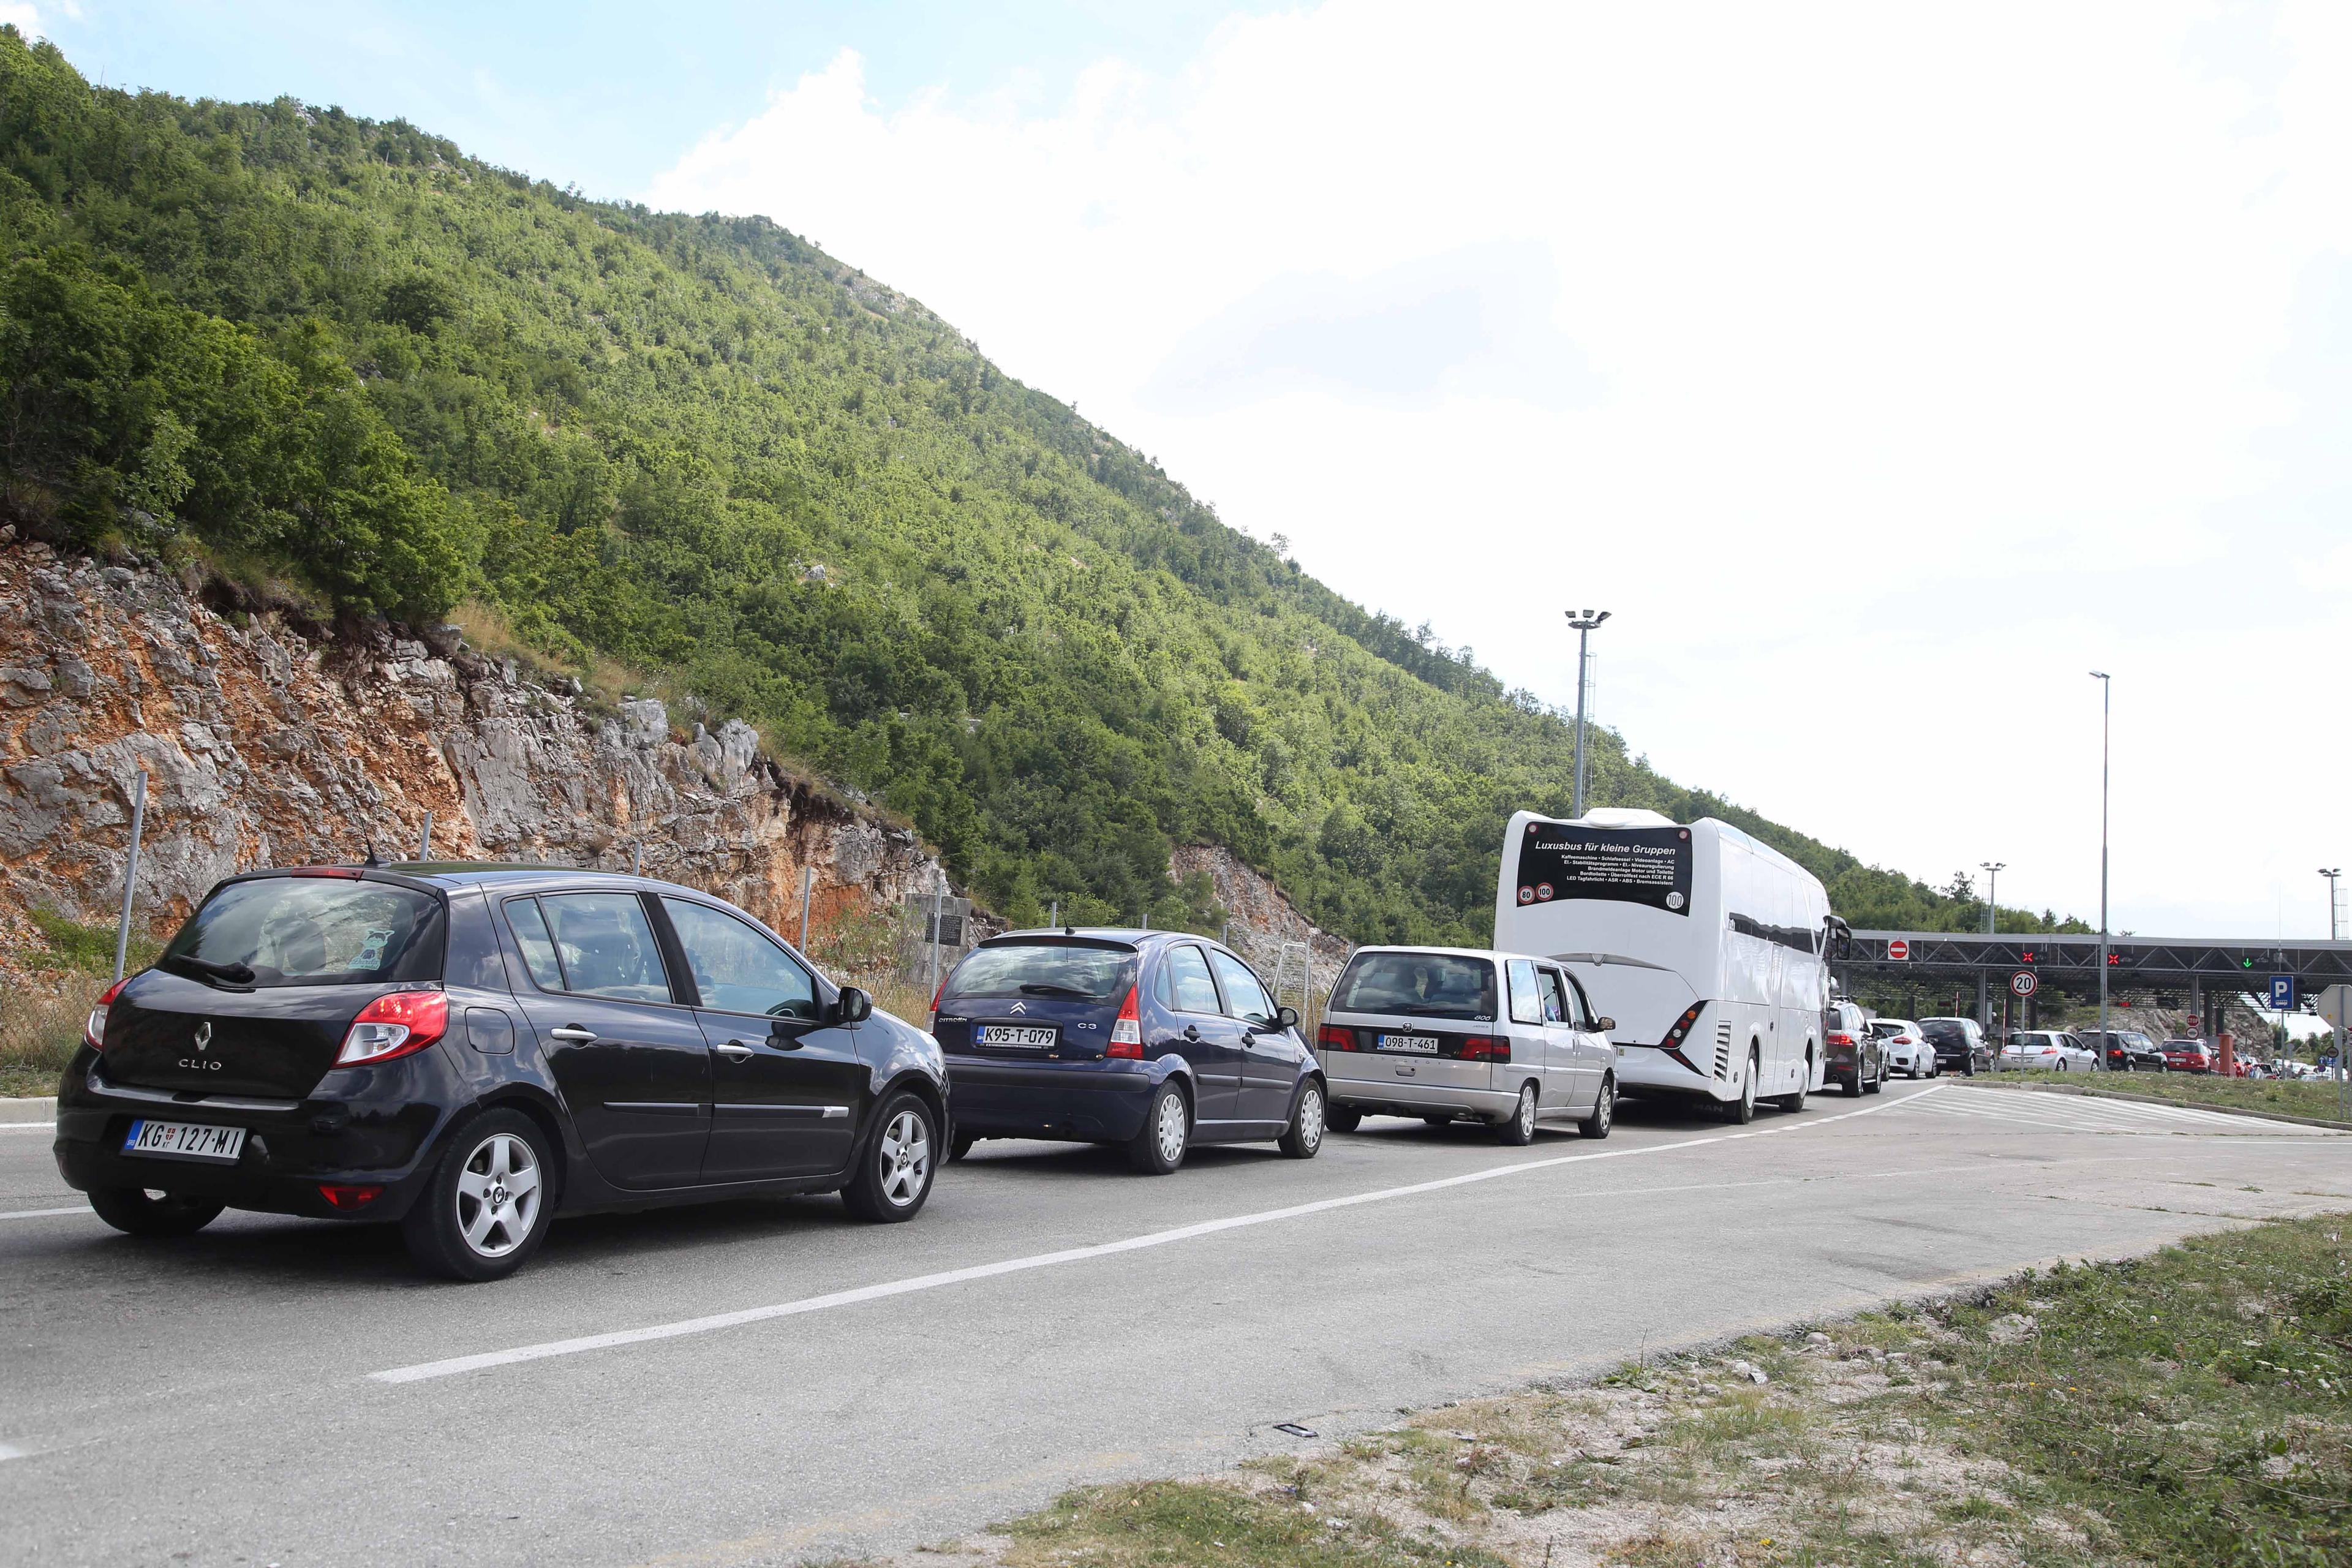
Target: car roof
<point x="1449" y="952"/>
<point x="515" y="876"/>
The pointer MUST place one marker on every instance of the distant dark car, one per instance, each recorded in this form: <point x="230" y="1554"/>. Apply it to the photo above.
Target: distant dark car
<point x="1149" y="1040"/>
<point x="1856" y="1057"/>
<point x="471" y="1050"/>
<point x="2187" y="1055"/>
<point x="1959" y="1045"/>
<point x="2124" y="1050"/>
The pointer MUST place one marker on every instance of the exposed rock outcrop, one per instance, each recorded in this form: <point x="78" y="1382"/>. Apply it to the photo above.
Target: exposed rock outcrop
<point x="1263" y="919"/>
<point x="267" y="744"/>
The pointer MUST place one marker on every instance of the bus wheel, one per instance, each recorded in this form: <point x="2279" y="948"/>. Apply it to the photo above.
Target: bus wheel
<point x="1797" y="1101"/>
<point x="1741" y="1112"/>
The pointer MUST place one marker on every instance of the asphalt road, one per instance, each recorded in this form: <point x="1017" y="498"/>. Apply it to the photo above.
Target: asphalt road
<point x="768" y="1382"/>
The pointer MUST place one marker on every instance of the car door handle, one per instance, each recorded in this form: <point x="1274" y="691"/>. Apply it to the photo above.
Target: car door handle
<point x="574" y="1033"/>
<point x="1192" y="1033"/>
<point x="734" y="1051"/>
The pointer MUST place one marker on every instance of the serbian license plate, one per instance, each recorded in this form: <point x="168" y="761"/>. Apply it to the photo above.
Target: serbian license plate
<point x="1417" y="1045"/>
<point x="1016" y="1037"/>
<point x="185" y="1140"/>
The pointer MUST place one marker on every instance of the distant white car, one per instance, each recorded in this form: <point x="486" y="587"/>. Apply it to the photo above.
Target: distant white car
<point x="1907" y="1050"/>
<point x="2051" y="1050"/>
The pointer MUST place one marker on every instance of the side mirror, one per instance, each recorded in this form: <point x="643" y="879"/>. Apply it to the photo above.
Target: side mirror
<point x="852" y="1006"/>
<point x="1286" y="1017"/>
<point x="1605" y="1025"/>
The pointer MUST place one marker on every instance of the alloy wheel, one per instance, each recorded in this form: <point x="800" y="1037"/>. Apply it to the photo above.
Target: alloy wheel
<point x="906" y="1155"/>
<point x="1527" y="1112"/>
<point x="499" y="1193"/>
<point x="1311" y="1118"/>
<point x="1605" y="1113"/>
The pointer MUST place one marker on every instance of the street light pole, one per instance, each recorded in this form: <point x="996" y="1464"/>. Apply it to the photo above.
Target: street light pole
<point x="2331" y="874"/>
<point x="2106" y="730"/>
<point x="1991" y="869"/>
<point x="1583" y="624"/>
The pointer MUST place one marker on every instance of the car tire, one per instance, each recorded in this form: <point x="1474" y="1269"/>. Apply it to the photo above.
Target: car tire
<point x="487" y="1206"/>
<point x="1604" y="1111"/>
<point x="893" y="1172"/>
<point x="138" y="1211"/>
<point x="1519" y="1130"/>
<point x="1877" y="1084"/>
<point x="1342" y="1118"/>
<point x="1739" y="1112"/>
<point x="1158" y="1149"/>
<point x="1304" y="1136"/>
<point x="1795" y="1101"/>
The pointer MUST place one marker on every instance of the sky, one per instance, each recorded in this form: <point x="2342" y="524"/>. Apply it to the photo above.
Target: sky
<point x="1883" y="370"/>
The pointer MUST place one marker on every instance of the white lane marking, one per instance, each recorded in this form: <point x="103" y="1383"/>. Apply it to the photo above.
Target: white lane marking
<point x="27" y="1127"/>
<point x="423" y="1370"/>
<point x="44" y="1214"/>
<point x="10" y="1451"/>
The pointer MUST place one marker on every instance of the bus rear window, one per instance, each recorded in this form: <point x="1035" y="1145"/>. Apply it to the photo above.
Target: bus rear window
<point x="1418" y="984"/>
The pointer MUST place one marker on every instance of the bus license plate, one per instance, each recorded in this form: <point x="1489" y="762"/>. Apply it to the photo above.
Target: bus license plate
<point x="186" y="1140"/>
<point x="1419" y="1045"/>
<point x="1015" y="1037"/>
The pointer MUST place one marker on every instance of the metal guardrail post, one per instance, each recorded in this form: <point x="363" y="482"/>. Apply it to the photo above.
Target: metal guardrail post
<point x="130" y="874"/>
<point x="425" y="839"/>
<point x="808" y="882"/>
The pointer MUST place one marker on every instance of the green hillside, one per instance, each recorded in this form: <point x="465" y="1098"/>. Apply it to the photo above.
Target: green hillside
<point x="272" y="335"/>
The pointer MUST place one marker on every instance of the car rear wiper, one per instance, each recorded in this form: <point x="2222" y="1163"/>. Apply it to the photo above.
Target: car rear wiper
<point x="1419" y="1011"/>
<point x="1046" y="988"/>
<point x="205" y="969"/>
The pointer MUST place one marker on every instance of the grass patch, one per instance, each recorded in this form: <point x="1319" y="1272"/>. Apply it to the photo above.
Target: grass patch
<point x="2290" y="1097"/>
<point x="1175" y="1524"/>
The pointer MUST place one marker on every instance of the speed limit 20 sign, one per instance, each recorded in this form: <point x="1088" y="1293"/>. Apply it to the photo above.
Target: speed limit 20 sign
<point x="2024" y="983"/>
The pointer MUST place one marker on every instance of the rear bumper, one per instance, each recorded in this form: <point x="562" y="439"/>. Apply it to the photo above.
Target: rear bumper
<point x="1086" y="1101"/>
<point x="383" y="1140"/>
<point x="1648" y="1069"/>
<point x="1373" y="1097"/>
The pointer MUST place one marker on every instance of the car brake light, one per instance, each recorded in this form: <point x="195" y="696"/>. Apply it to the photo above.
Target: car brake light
<point x="93" y="1029"/>
<point x="1840" y="1037"/>
<point x="935" y="1002"/>
<point x="347" y="1198"/>
<point x="397" y="1024"/>
<point x="1127" y="1032"/>
<point x="1335" y="1038"/>
<point x="347" y="873"/>
<point x="1480" y="1048"/>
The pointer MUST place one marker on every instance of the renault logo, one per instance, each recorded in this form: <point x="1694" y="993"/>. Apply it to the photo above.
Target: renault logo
<point x="204" y="1034"/>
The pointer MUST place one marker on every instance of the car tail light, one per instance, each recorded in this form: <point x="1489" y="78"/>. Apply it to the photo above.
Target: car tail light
<point x="1840" y="1037"/>
<point x="935" y="1002"/>
<point x="1126" y="1030"/>
<point x="348" y="1198"/>
<point x="1335" y="1038"/>
<point x="397" y="1024"/>
<point x="1684" y="1024"/>
<point x="93" y="1029"/>
<point x="1481" y="1049"/>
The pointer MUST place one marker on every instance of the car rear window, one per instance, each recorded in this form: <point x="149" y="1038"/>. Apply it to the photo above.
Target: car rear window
<point x="311" y="931"/>
<point x="1044" y="969"/>
<point x="1418" y="984"/>
<point x="1943" y="1033"/>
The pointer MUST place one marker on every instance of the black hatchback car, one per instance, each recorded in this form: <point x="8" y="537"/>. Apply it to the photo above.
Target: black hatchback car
<point x="1151" y="1040"/>
<point x="472" y="1050"/>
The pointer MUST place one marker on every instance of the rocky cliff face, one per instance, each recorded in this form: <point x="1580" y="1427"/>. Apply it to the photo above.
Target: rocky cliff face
<point x="1264" y="920"/>
<point x="265" y="743"/>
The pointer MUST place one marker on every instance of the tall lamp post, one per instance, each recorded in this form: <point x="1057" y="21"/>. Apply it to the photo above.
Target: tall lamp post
<point x="1991" y="869"/>
<point x="2107" y="709"/>
<point x="2331" y="874"/>
<point x="1583" y="622"/>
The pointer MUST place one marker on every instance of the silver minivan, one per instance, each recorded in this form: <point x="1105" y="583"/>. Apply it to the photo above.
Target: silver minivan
<point x="1443" y="1033"/>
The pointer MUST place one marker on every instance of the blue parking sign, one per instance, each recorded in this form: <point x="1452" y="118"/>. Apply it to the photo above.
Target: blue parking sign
<point x="2282" y="993"/>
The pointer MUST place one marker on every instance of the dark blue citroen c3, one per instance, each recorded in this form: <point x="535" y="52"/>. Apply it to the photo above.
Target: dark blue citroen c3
<point x="1152" y="1040"/>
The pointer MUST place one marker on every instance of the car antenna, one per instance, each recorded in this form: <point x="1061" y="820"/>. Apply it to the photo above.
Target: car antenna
<point x="370" y="860"/>
<point x="1069" y="930"/>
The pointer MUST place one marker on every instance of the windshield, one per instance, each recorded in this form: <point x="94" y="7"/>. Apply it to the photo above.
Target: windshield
<point x="1044" y="969"/>
<point x="305" y="930"/>
<point x="1418" y="984"/>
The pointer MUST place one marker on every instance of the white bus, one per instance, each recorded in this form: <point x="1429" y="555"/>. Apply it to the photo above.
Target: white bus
<point x="1708" y="948"/>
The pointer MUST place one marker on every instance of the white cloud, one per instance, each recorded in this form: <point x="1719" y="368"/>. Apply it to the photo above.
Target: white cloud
<point x="1884" y="369"/>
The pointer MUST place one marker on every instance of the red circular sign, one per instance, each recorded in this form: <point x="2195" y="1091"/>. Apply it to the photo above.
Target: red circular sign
<point x="1543" y="890"/>
<point x="1898" y="950"/>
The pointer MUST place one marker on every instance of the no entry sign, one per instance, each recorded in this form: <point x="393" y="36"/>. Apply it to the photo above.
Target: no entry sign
<point x="1897" y="949"/>
<point x="2024" y="983"/>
